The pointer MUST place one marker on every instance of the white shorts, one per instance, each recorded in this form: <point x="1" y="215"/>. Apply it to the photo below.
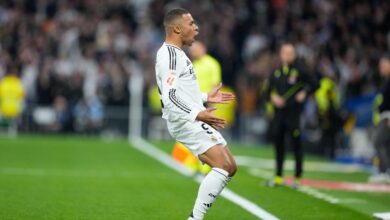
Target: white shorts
<point x="196" y="136"/>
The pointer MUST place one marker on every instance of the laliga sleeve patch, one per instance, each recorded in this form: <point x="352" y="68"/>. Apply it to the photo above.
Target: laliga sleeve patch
<point x="171" y="78"/>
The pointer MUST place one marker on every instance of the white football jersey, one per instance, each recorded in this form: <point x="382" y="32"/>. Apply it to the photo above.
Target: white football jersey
<point x="181" y="98"/>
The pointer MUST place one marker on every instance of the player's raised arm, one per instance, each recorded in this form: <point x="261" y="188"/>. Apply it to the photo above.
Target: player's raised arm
<point x="217" y="96"/>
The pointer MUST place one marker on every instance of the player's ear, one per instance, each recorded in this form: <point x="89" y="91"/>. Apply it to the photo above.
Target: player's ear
<point x="177" y="29"/>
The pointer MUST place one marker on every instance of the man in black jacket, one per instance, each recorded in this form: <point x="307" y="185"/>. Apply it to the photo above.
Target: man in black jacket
<point x="382" y="134"/>
<point x="288" y="88"/>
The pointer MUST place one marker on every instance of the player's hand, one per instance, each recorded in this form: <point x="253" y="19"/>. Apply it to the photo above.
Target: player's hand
<point x="207" y="117"/>
<point x="300" y="96"/>
<point x="278" y="100"/>
<point x="216" y="96"/>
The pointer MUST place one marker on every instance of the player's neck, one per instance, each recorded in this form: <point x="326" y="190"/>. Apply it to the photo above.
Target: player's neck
<point x="174" y="42"/>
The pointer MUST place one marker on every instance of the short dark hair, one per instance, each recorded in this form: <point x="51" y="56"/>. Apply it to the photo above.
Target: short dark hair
<point x="173" y="14"/>
<point x="284" y="43"/>
<point x="386" y="56"/>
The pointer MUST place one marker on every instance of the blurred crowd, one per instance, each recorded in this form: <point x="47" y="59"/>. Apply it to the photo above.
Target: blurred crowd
<point x="78" y="55"/>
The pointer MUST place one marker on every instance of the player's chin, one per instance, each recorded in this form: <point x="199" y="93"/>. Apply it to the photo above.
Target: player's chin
<point x="190" y="42"/>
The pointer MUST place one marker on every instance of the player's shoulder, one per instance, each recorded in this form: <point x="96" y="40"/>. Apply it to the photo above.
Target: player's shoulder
<point x="162" y="51"/>
<point x="167" y="50"/>
<point x="173" y="48"/>
<point x="169" y="47"/>
<point x="172" y="54"/>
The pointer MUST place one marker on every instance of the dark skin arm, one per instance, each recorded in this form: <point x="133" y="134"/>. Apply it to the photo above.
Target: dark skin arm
<point x="215" y="96"/>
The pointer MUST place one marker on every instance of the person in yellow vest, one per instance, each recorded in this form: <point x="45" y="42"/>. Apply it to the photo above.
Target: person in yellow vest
<point x="11" y="96"/>
<point x="207" y="68"/>
<point x="209" y="74"/>
<point x="331" y="123"/>
<point x="11" y="100"/>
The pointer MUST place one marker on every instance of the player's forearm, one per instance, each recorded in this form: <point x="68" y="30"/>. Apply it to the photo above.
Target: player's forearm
<point x="180" y="109"/>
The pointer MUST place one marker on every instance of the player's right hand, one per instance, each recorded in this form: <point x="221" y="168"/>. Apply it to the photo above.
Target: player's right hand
<point x="278" y="100"/>
<point x="207" y="117"/>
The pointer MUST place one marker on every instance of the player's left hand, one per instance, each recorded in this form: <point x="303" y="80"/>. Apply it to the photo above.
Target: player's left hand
<point x="216" y="96"/>
<point x="300" y="96"/>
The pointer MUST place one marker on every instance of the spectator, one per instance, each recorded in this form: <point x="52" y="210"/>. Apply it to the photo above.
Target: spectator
<point x="62" y="122"/>
<point x="52" y="40"/>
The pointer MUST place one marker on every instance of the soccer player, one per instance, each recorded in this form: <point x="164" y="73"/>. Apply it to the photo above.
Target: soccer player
<point x="188" y="121"/>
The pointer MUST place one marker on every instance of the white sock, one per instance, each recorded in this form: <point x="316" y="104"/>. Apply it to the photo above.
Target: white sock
<point x="210" y="188"/>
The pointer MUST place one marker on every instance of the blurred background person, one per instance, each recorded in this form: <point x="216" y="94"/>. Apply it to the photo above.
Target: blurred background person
<point x="382" y="133"/>
<point x="88" y="115"/>
<point x="207" y="68"/>
<point x="330" y="121"/>
<point x="62" y="121"/>
<point x="11" y="99"/>
<point x="288" y="87"/>
<point x="209" y="74"/>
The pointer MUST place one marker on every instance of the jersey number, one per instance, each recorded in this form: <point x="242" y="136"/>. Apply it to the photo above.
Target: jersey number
<point x="206" y="128"/>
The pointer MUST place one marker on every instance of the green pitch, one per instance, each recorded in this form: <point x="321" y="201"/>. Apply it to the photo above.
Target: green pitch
<point x="53" y="177"/>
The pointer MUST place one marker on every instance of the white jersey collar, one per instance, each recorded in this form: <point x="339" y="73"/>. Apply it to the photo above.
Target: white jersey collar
<point x="172" y="46"/>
